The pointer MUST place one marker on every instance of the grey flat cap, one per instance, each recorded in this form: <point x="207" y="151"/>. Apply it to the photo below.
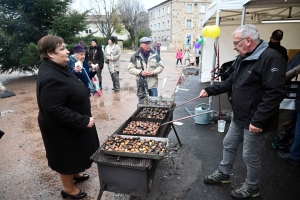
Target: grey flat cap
<point x="145" y="39"/>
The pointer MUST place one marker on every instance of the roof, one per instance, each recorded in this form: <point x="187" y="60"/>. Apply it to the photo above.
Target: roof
<point x="256" y="11"/>
<point x="159" y="5"/>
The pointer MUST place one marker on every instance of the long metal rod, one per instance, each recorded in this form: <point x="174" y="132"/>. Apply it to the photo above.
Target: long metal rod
<point x="185" y="102"/>
<point x="215" y="51"/>
<point x="186" y="117"/>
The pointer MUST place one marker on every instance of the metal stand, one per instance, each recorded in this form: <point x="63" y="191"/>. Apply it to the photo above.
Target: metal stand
<point x="176" y="135"/>
<point x="102" y="188"/>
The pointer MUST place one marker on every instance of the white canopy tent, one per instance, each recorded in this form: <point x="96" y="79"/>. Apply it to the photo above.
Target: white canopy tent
<point x="230" y="14"/>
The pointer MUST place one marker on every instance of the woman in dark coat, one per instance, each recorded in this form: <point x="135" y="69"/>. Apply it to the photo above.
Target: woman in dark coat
<point x="65" y="121"/>
<point x="96" y="57"/>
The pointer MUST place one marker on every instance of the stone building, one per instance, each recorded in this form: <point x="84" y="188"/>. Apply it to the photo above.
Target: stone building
<point x="173" y="21"/>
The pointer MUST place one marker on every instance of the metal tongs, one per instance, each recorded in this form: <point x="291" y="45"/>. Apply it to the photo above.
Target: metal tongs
<point x="175" y="120"/>
<point x="186" y="116"/>
<point x="185" y="103"/>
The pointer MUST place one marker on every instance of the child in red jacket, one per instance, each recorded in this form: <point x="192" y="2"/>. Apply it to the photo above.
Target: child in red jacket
<point x="179" y="57"/>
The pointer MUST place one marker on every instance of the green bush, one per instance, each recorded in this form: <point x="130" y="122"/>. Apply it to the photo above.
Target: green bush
<point x="127" y="44"/>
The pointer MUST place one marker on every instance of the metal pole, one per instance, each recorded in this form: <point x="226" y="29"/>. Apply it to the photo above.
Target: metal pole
<point x="103" y="33"/>
<point x="200" y="64"/>
<point x="243" y="15"/>
<point x="214" y="54"/>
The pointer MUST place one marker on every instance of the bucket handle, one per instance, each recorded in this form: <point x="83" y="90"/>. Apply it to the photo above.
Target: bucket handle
<point x="205" y="104"/>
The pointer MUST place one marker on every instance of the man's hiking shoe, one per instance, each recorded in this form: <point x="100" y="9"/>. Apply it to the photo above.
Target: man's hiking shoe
<point x="217" y="177"/>
<point x="245" y="192"/>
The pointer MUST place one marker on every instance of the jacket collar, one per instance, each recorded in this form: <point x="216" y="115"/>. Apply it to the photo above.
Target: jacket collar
<point x="139" y="53"/>
<point x="63" y="69"/>
<point x="254" y="55"/>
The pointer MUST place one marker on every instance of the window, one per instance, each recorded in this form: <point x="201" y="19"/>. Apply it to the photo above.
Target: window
<point x="162" y="11"/>
<point x="88" y="31"/>
<point x="151" y="28"/>
<point x="151" y="16"/>
<point x="158" y="15"/>
<point x="189" y="23"/>
<point x="154" y="27"/>
<point x="189" y="8"/>
<point x="154" y="14"/>
<point x="168" y="24"/>
<point x="163" y="26"/>
<point x="158" y="27"/>
<point x="203" y="8"/>
<point x="169" y="9"/>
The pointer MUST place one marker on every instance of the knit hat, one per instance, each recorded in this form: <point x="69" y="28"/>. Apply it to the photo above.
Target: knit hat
<point x="95" y="40"/>
<point x="77" y="48"/>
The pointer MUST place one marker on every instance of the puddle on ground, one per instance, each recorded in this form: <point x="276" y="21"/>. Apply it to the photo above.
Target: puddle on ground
<point x="196" y="73"/>
<point x="103" y="116"/>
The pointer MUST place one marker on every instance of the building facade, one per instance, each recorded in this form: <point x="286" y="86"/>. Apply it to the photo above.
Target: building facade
<point x="173" y="21"/>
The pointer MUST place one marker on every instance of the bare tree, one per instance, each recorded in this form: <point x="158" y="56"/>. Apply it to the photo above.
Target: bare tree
<point x="104" y="16"/>
<point x="133" y="16"/>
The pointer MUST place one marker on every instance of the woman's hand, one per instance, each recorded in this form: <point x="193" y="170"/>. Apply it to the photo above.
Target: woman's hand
<point x="78" y="67"/>
<point x="92" y="122"/>
<point x="95" y="67"/>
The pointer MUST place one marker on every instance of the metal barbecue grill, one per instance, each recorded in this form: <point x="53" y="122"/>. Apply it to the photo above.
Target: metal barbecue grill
<point x="125" y="175"/>
<point x="130" y="175"/>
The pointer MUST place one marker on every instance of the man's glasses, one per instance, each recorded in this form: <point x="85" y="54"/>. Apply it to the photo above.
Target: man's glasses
<point x="237" y="42"/>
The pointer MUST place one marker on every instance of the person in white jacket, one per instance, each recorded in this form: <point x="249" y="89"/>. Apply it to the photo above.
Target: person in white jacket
<point x="113" y="54"/>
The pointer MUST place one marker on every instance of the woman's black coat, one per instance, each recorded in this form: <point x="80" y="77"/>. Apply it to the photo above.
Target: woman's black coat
<point x="64" y="113"/>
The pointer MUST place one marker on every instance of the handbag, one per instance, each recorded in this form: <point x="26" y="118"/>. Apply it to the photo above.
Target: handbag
<point x="142" y="85"/>
<point x="90" y="83"/>
<point x="107" y="60"/>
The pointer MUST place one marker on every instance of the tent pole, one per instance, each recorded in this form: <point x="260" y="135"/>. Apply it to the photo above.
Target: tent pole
<point x="243" y="16"/>
<point x="200" y="62"/>
<point x="214" y="55"/>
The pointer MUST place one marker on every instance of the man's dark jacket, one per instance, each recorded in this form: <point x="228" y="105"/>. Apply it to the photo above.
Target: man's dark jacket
<point x="258" y="87"/>
<point x="280" y="49"/>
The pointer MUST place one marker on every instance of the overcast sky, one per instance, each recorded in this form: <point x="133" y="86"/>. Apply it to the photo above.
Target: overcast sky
<point x="82" y="5"/>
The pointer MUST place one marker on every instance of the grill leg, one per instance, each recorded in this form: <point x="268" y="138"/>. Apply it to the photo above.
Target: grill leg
<point x="102" y="187"/>
<point x="176" y="135"/>
<point x="143" y="194"/>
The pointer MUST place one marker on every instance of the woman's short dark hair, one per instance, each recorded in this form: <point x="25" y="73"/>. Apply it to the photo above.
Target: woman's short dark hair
<point x="112" y="38"/>
<point x="48" y="44"/>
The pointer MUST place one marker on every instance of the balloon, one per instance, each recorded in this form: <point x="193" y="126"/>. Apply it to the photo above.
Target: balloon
<point x="214" y="31"/>
<point x="205" y="31"/>
<point x="211" y="31"/>
<point x="200" y="41"/>
<point x="197" y="45"/>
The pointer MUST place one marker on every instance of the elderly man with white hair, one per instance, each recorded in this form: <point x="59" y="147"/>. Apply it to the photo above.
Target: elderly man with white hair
<point x="258" y="87"/>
